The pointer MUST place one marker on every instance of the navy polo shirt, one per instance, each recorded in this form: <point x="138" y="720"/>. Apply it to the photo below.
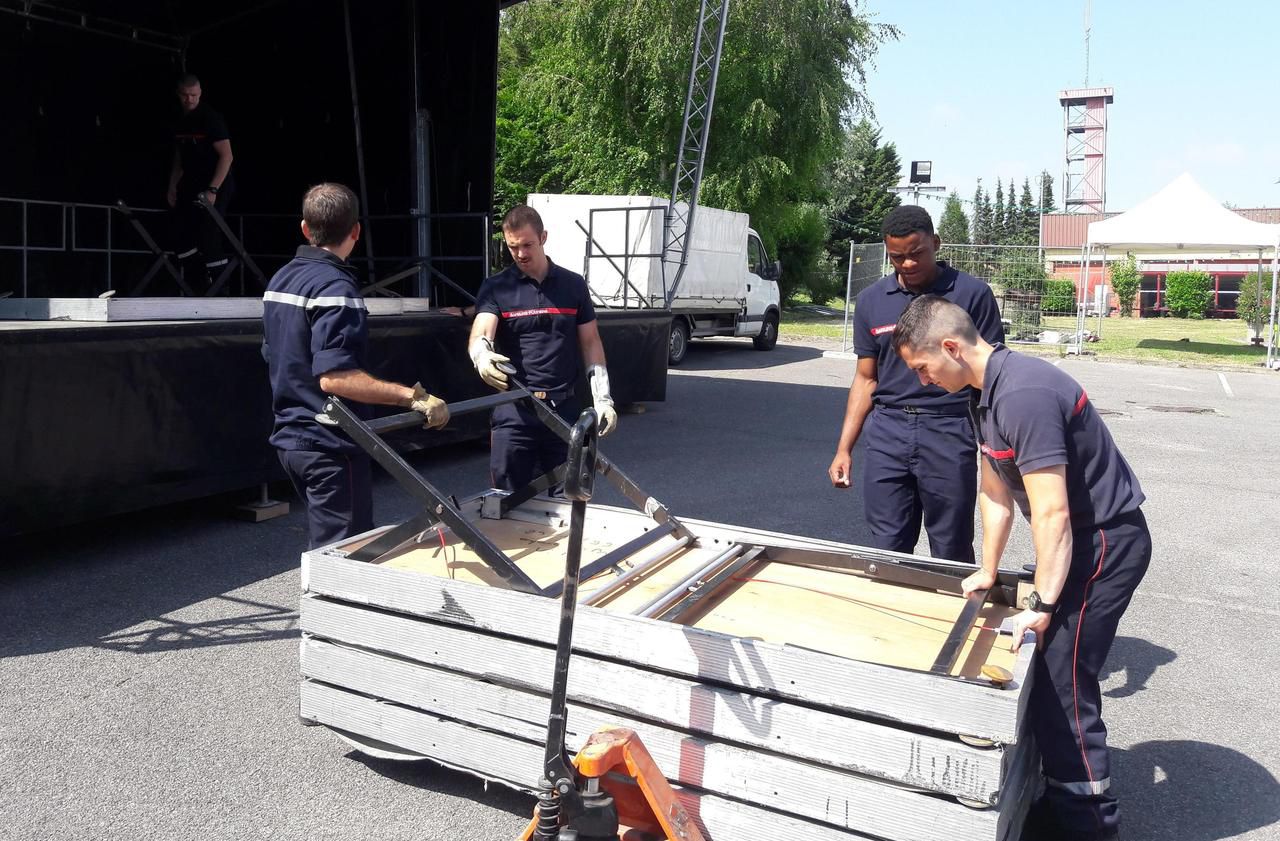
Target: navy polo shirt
<point x="313" y="322"/>
<point x="876" y="313"/>
<point x="1031" y="415"/>
<point x="538" y="324"/>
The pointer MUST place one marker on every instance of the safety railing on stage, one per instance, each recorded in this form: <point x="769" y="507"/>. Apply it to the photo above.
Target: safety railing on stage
<point x="38" y="234"/>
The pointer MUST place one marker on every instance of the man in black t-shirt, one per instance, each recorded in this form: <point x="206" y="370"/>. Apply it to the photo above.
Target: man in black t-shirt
<point x="1047" y="452"/>
<point x="201" y="172"/>
<point x="536" y="319"/>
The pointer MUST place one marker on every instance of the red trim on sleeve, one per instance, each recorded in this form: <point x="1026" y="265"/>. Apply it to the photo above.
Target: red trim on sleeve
<point x="999" y="455"/>
<point x="883" y="328"/>
<point x="1081" y="403"/>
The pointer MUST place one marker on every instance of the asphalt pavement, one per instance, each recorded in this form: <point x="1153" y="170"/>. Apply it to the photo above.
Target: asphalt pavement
<point x="149" y="662"/>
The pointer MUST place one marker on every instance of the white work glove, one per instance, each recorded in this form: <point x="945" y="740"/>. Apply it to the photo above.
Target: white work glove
<point x="598" y="376"/>
<point x="435" y="410"/>
<point x="487" y="360"/>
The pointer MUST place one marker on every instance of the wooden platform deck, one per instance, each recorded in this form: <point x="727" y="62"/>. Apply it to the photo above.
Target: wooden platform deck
<point x="798" y="703"/>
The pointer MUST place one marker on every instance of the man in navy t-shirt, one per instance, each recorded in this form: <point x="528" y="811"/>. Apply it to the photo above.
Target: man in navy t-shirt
<point x="1048" y="453"/>
<point x="200" y="172"/>
<point x="536" y="318"/>
<point x="315" y="334"/>
<point x="920" y="461"/>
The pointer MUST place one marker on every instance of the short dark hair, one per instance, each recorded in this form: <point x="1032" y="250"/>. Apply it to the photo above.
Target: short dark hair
<point x="905" y="220"/>
<point x="188" y="80"/>
<point x="522" y="216"/>
<point x="928" y="320"/>
<point x="330" y="210"/>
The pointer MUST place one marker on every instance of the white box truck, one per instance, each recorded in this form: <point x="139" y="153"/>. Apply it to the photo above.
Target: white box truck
<point x="729" y="287"/>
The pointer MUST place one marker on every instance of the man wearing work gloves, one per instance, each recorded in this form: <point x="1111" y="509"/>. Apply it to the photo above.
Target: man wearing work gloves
<point x="1047" y="452"/>
<point x="315" y="335"/>
<point x="544" y="325"/>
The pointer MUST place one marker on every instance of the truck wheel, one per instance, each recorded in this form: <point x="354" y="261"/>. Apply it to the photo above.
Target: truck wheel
<point x="679" y="341"/>
<point x="768" y="333"/>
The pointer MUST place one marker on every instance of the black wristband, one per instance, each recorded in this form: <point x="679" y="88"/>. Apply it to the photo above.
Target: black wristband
<point x="213" y="190"/>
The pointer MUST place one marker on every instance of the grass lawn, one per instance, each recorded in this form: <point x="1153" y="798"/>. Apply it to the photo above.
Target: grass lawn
<point x="1177" y="340"/>
<point x="1172" y="340"/>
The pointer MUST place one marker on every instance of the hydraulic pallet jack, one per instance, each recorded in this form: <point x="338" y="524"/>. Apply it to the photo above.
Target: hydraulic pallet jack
<point x="612" y="790"/>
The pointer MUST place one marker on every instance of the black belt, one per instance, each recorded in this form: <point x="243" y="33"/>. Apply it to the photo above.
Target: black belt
<point x="555" y="394"/>
<point x="958" y="412"/>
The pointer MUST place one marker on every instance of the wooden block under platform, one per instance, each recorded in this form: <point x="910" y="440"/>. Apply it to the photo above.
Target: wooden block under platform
<point x="261" y="511"/>
<point x="799" y="701"/>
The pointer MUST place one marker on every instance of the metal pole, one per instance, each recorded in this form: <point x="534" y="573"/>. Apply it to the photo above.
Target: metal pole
<point x="1271" y="326"/>
<point x="848" y="291"/>
<point x="355" y="118"/>
<point x="1085" y="253"/>
<point x="422" y="222"/>
<point x="73" y="242"/>
<point x="421" y="158"/>
<point x="1102" y="308"/>
<point x="24" y="249"/>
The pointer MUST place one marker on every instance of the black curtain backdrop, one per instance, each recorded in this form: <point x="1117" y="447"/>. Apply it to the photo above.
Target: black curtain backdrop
<point x="87" y="116"/>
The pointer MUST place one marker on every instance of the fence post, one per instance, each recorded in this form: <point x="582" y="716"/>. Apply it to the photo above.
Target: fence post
<point x="848" y="288"/>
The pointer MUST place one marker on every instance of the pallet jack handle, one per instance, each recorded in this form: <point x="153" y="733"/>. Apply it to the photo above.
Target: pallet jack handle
<point x="559" y="800"/>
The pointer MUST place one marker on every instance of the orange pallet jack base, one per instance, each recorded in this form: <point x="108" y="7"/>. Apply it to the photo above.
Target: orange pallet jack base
<point x="647" y="807"/>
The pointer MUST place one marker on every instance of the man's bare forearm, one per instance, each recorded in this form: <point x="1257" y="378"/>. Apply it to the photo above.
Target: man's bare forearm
<point x="1050" y="530"/>
<point x="995" y="505"/>
<point x="856" y="409"/>
<point x="356" y="384"/>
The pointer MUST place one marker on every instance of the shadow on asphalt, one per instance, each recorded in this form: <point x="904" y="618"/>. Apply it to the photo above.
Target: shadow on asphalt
<point x="111" y="583"/>
<point x="1192" y="791"/>
<point x="1138" y="659"/>
<point x="719" y="354"/>
<point x="425" y="774"/>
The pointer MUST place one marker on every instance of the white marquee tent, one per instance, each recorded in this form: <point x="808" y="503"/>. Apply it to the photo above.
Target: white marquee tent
<point x="1184" y="216"/>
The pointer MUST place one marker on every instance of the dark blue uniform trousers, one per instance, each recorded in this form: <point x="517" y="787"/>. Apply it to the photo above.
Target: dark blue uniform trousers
<point x="920" y="466"/>
<point x="521" y="447"/>
<point x="337" y="490"/>
<point x="1066" y="705"/>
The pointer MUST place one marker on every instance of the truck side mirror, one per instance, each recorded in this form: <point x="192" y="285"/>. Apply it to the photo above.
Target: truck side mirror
<point x="773" y="271"/>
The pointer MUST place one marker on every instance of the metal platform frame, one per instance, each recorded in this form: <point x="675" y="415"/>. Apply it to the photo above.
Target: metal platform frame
<point x="679" y="603"/>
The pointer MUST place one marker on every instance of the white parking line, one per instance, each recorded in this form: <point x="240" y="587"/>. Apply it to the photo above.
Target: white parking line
<point x="1222" y="378"/>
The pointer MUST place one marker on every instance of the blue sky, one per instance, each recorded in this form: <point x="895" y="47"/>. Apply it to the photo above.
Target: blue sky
<point x="973" y="86"/>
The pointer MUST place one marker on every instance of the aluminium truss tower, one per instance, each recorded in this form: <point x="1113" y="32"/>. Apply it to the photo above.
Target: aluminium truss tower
<point x="1084" y="111"/>
<point x="692" y="156"/>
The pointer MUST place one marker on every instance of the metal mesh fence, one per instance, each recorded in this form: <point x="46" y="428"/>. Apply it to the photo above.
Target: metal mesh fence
<point x="866" y="266"/>
<point x="1036" y="305"/>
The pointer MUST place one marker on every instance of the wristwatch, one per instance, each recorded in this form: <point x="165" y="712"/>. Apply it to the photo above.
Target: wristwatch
<point x="1034" y="602"/>
<point x="213" y="190"/>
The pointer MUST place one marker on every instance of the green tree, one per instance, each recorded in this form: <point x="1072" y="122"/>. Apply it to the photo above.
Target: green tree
<point x="1028" y="217"/>
<point x="1188" y="294"/>
<point x="1126" y="280"/>
<point x="1253" y="307"/>
<point x="954" y="227"/>
<point x="591" y="95"/>
<point x="859" y="191"/>
<point x="1012" y="218"/>
<point x="981" y="217"/>
<point x="1046" y="193"/>
<point x="997" y="216"/>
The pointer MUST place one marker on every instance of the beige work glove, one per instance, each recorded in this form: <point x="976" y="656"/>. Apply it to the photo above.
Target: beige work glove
<point x="598" y="376"/>
<point x="488" y="362"/>
<point x="435" y="410"/>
